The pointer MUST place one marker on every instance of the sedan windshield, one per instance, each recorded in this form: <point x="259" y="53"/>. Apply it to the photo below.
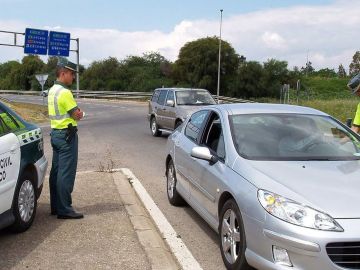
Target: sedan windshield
<point x="194" y="98"/>
<point x="292" y="137"/>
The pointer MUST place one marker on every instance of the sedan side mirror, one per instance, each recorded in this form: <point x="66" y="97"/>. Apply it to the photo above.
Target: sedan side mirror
<point x="204" y="154"/>
<point x="170" y="103"/>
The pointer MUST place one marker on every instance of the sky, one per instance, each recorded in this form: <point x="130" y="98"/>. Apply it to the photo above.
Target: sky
<point x="325" y="32"/>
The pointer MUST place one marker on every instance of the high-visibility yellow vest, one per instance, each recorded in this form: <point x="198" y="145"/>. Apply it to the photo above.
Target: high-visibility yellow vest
<point x="60" y="102"/>
<point x="357" y="116"/>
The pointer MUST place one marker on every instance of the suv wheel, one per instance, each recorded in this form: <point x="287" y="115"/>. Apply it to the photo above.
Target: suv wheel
<point x="24" y="204"/>
<point x="178" y="123"/>
<point x="154" y="127"/>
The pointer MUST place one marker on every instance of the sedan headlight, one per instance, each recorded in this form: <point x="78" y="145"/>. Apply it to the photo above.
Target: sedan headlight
<point x="296" y="213"/>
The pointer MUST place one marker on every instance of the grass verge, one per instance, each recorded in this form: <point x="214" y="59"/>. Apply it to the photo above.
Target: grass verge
<point x="30" y="112"/>
<point x="341" y="109"/>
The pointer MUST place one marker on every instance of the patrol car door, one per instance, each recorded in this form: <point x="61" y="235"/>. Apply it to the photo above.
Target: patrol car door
<point x="9" y="162"/>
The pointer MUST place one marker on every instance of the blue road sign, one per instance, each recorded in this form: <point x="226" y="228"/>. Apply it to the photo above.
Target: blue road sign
<point x="36" y="41"/>
<point x="59" y="43"/>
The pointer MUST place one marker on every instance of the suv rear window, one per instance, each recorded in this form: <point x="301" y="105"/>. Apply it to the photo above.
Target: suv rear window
<point x="155" y="96"/>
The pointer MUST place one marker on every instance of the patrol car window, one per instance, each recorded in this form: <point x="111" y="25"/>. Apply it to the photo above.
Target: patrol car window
<point x="193" y="127"/>
<point x="7" y="123"/>
<point x="162" y="97"/>
<point x="155" y="96"/>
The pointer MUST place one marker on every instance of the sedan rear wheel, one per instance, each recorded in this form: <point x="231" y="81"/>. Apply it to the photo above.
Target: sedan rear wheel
<point x="232" y="237"/>
<point x="173" y="196"/>
<point x="154" y="128"/>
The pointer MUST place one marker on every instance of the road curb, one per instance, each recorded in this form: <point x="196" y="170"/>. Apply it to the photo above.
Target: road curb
<point x="156" y="250"/>
<point x="177" y="246"/>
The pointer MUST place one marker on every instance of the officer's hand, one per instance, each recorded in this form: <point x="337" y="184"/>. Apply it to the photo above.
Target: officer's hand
<point x="77" y="115"/>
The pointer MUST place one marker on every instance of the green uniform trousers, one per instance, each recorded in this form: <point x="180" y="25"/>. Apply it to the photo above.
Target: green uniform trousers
<point x="63" y="171"/>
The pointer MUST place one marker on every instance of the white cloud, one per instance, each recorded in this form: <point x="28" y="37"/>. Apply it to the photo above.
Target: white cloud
<point x="328" y="35"/>
<point x="274" y="40"/>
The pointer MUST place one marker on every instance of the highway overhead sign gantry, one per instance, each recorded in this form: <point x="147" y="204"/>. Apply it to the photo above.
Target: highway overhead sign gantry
<point x="59" y="43"/>
<point x="36" y="41"/>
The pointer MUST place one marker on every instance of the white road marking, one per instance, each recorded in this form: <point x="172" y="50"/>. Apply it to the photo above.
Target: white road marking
<point x="177" y="246"/>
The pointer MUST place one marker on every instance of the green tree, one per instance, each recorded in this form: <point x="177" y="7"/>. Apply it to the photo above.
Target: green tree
<point x="145" y="73"/>
<point x="99" y="73"/>
<point x="248" y="82"/>
<point x="341" y="71"/>
<point x="354" y="67"/>
<point x="25" y="78"/>
<point x="325" y="73"/>
<point x="276" y="74"/>
<point x="197" y="64"/>
<point x="6" y="69"/>
<point x="308" y="69"/>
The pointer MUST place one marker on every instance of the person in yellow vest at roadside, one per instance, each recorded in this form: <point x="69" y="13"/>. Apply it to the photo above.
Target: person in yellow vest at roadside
<point x="64" y="114"/>
<point x="354" y="86"/>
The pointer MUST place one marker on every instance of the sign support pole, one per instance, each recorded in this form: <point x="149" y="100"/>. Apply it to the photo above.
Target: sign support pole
<point x="77" y="67"/>
<point x="77" y="64"/>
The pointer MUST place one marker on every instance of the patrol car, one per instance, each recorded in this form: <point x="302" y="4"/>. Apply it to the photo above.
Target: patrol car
<point x="22" y="170"/>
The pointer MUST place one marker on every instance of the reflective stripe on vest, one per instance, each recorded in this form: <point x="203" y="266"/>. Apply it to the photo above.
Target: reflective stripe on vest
<point x="57" y="115"/>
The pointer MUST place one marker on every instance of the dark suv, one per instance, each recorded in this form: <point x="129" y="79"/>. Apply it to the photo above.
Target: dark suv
<point x="169" y="107"/>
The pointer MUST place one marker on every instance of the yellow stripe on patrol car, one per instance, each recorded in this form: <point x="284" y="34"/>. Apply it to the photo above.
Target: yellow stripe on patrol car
<point x="30" y="136"/>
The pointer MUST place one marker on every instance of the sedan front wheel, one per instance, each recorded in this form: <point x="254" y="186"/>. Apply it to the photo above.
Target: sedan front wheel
<point x="232" y="237"/>
<point x="24" y="204"/>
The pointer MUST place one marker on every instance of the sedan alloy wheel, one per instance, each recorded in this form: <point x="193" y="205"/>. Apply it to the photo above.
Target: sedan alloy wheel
<point x="173" y="196"/>
<point x="232" y="237"/>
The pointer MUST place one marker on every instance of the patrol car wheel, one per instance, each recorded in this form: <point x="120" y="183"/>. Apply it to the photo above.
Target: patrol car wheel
<point x="24" y="204"/>
<point x="154" y="127"/>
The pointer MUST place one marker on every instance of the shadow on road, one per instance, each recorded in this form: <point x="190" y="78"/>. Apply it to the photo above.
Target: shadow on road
<point x="15" y="247"/>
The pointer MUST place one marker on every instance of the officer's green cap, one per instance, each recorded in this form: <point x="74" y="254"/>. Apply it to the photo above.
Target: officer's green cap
<point x="64" y="63"/>
<point x="354" y="84"/>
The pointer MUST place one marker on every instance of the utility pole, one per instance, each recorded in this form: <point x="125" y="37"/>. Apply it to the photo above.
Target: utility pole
<point x="307" y="63"/>
<point x="218" y="81"/>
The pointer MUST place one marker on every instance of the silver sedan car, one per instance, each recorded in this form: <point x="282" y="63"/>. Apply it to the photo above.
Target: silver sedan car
<point x="279" y="183"/>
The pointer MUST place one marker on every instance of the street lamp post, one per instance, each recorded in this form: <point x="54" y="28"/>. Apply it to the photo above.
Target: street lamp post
<point x="218" y="81"/>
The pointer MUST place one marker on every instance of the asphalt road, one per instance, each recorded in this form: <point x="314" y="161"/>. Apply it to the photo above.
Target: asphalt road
<point x="116" y="134"/>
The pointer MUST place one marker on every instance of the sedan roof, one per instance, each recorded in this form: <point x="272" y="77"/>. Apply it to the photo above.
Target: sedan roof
<point x="253" y="108"/>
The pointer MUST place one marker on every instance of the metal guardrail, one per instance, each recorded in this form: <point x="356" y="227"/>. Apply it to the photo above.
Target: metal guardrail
<point x="224" y="99"/>
<point x="4" y="99"/>
<point x="118" y="95"/>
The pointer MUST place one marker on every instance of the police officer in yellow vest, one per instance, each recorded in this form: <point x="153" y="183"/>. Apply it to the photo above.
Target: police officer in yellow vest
<point x="354" y="86"/>
<point x="64" y="114"/>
